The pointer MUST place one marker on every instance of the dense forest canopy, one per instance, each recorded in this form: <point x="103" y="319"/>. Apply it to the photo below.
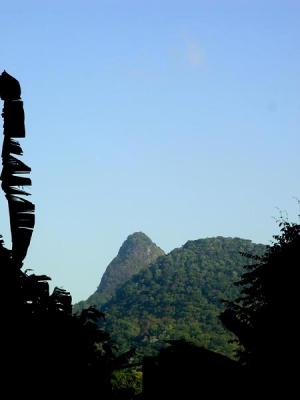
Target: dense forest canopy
<point x="179" y="296"/>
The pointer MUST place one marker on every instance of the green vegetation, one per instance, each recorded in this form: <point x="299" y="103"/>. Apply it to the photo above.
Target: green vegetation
<point x="127" y="383"/>
<point x="180" y="297"/>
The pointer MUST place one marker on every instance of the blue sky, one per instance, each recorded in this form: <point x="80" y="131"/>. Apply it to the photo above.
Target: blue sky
<point x="176" y="118"/>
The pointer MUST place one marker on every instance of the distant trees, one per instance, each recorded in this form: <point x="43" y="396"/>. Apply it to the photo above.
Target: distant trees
<point x="180" y="297"/>
<point x="127" y="383"/>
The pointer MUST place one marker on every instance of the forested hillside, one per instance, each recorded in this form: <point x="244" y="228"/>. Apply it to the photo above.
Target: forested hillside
<point x="180" y="296"/>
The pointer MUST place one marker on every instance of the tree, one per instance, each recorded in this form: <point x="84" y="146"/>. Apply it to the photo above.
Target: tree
<point x="265" y="316"/>
<point x="44" y="348"/>
<point x="21" y="211"/>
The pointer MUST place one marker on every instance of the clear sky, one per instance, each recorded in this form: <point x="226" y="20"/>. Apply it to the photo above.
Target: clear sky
<point x="176" y="118"/>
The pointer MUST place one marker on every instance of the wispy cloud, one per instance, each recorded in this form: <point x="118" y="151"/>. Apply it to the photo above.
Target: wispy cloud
<point x="194" y="54"/>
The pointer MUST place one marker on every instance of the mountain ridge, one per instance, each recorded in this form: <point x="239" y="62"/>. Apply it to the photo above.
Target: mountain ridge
<point x="180" y="296"/>
<point x="176" y="296"/>
<point x="136" y="252"/>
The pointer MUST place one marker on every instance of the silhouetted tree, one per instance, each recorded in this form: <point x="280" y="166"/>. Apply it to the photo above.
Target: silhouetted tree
<point x="44" y="348"/>
<point x="265" y="318"/>
<point x="185" y="371"/>
<point x="21" y="211"/>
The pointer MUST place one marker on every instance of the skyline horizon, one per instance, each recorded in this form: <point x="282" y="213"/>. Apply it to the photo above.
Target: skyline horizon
<point x="167" y="252"/>
<point x="177" y="119"/>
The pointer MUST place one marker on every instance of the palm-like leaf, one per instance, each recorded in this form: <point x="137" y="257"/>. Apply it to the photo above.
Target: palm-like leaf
<point x="21" y="211"/>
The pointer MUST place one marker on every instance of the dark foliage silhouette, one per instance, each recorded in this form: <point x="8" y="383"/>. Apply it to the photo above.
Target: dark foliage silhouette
<point x="44" y="341"/>
<point x="186" y="371"/>
<point x="45" y="349"/>
<point x="265" y="317"/>
<point x="21" y="211"/>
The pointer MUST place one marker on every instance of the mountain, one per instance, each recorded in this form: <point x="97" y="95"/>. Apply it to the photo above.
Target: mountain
<point x="135" y="254"/>
<point x="179" y="296"/>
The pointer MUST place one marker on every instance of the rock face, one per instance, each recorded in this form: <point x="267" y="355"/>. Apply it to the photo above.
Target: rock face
<point x="136" y="253"/>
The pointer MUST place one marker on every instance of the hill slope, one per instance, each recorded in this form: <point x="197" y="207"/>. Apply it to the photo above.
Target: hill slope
<point x="135" y="254"/>
<point x="180" y="296"/>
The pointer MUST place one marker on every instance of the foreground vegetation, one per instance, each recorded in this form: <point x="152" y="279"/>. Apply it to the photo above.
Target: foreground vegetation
<point x="46" y="338"/>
